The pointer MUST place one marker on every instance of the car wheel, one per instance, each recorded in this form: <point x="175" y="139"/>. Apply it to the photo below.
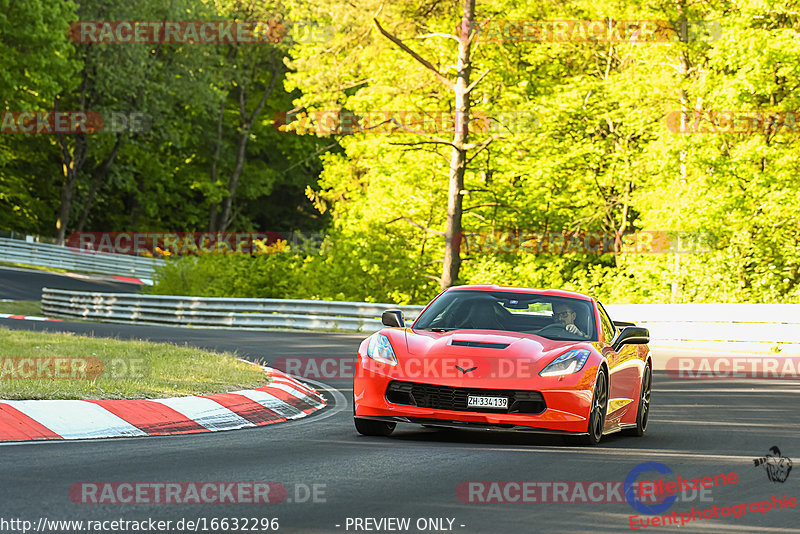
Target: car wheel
<point x="644" y="404"/>
<point x="368" y="427"/>
<point x="597" y="415"/>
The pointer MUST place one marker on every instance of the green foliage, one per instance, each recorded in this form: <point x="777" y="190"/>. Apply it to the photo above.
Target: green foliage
<point x="579" y="136"/>
<point x="261" y="276"/>
<point x="159" y="178"/>
<point x="600" y="155"/>
<point x="37" y="65"/>
<point x="350" y="267"/>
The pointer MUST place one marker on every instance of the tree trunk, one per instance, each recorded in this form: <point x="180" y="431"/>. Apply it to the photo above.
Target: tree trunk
<point x="233" y="181"/>
<point x="458" y="157"/>
<point x="213" y="215"/>
<point x="225" y="217"/>
<point x="461" y="89"/>
<point x="71" y="166"/>
<point x="683" y="72"/>
<point x="97" y="180"/>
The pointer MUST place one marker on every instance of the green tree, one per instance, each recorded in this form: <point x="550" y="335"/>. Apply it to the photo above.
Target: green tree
<point x="37" y="65"/>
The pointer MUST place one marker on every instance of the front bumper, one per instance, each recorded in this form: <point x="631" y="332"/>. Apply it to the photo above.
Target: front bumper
<point x="469" y="425"/>
<point x="567" y="401"/>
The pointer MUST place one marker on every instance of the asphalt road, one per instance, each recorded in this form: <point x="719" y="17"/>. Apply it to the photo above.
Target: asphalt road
<point x="23" y="284"/>
<point x="697" y="429"/>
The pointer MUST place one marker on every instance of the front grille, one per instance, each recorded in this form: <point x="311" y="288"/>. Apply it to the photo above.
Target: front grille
<point x="450" y="398"/>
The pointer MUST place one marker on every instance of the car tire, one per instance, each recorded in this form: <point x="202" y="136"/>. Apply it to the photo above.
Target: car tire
<point x="598" y="410"/>
<point x="368" y="427"/>
<point x="643" y="412"/>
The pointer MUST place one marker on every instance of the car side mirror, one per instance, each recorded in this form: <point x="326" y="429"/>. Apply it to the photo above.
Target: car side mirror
<point x="631" y="335"/>
<point x="393" y="318"/>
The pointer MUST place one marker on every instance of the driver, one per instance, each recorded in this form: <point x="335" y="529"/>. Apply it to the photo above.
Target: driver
<point x="565" y="316"/>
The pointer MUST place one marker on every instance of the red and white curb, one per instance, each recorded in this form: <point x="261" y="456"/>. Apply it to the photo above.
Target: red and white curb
<point x="283" y="399"/>
<point x="26" y="317"/>
<point x="132" y="280"/>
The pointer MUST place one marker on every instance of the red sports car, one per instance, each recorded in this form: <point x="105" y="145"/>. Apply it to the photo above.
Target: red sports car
<point x="506" y="358"/>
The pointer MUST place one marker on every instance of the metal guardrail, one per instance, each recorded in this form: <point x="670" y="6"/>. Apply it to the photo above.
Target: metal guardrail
<point x="73" y="259"/>
<point x="217" y="312"/>
<point x="746" y="327"/>
<point x="721" y="326"/>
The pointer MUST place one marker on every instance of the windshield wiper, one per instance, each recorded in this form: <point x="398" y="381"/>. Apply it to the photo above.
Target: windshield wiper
<point x="438" y="329"/>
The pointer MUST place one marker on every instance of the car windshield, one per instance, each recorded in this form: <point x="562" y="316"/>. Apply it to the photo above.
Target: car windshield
<point x="558" y="318"/>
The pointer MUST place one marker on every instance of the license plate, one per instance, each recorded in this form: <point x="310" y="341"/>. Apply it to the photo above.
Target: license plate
<point x="474" y="401"/>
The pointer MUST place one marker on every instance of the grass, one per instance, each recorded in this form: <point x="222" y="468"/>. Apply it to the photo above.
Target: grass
<point x="34" y="267"/>
<point x="22" y="307"/>
<point x="36" y="365"/>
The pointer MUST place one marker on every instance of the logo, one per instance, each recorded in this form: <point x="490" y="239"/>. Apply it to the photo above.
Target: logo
<point x="465" y="371"/>
<point x="733" y="367"/>
<point x="630" y="489"/>
<point x="778" y="467"/>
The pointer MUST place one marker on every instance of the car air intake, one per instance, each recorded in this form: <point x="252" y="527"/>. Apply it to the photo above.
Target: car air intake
<point x="451" y="398"/>
<point x="478" y="344"/>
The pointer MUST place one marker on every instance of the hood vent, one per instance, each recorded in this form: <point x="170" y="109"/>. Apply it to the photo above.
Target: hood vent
<point x="478" y="344"/>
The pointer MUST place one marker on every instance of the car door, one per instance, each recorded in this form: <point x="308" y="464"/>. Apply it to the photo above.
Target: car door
<point x="625" y="369"/>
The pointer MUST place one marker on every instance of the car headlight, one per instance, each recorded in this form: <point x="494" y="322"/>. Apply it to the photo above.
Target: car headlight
<point x="380" y="350"/>
<point x="570" y="362"/>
